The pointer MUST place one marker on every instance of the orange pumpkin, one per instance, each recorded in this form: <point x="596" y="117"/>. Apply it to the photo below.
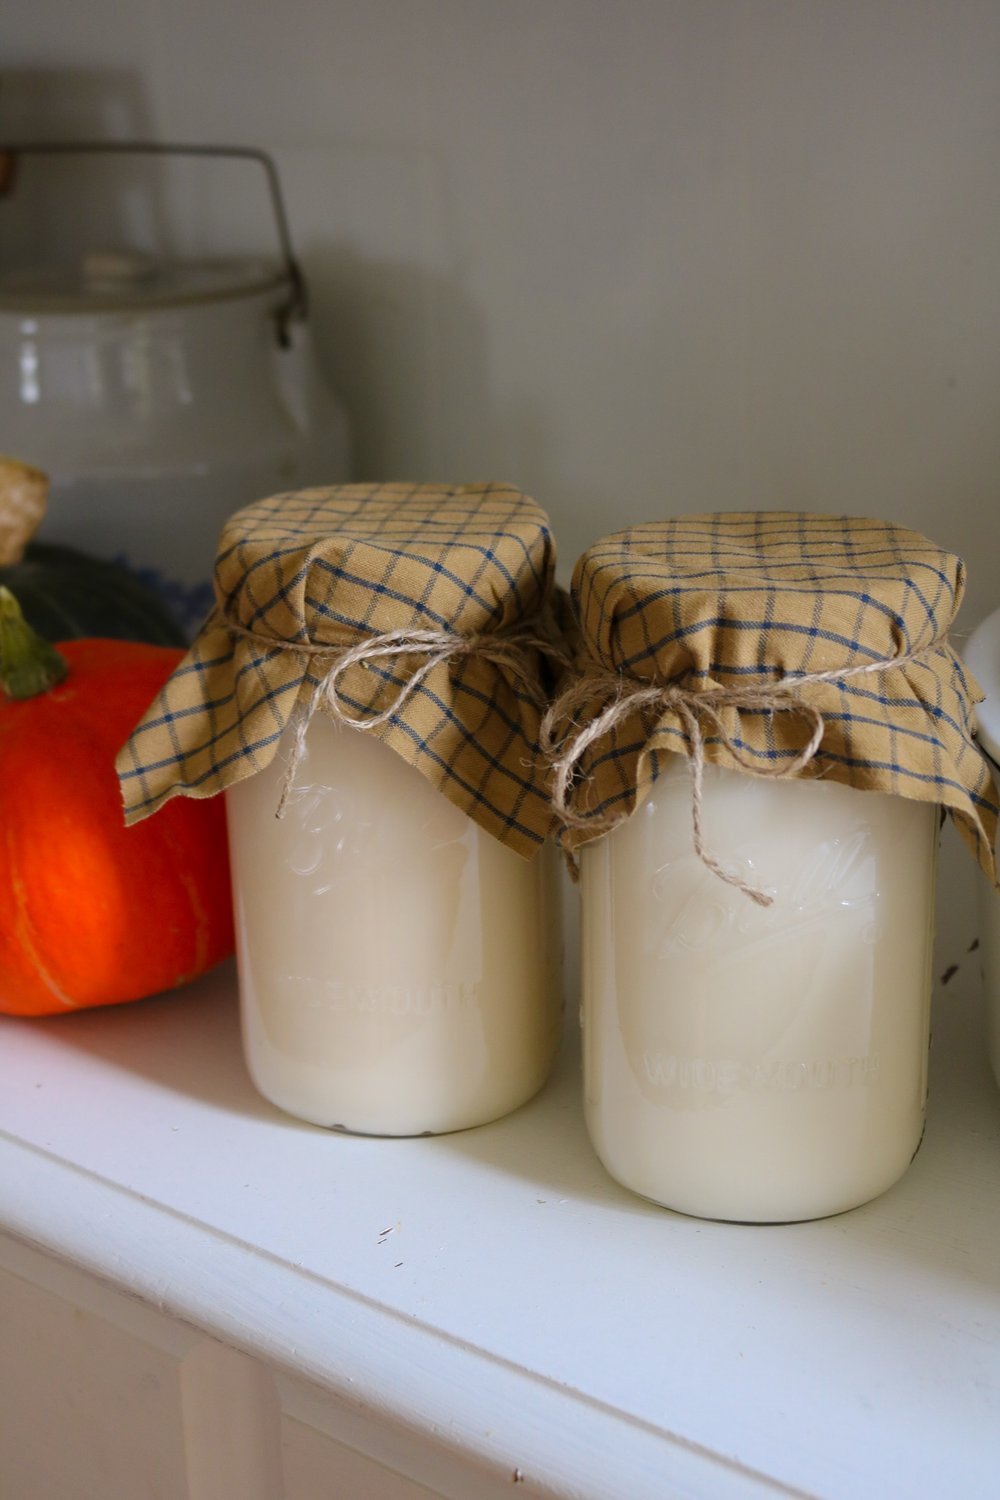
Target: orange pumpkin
<point x="95" y="913"/>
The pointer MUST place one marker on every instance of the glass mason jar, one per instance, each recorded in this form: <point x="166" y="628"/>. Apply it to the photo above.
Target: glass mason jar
<point x="399" y="968"/>
<point x="748" y="1063"/>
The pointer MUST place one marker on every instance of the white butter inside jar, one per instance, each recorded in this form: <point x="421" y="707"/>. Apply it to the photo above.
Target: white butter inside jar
<point x="748" y="1063"/>
<point x="399" y="968"/>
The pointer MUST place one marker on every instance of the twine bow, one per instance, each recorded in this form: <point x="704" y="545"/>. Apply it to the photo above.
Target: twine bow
<point x="506" y="649"/>
<point x="700" y="713"/>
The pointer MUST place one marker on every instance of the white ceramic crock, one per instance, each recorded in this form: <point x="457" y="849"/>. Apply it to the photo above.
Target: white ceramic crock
<point x="159" y="396"/>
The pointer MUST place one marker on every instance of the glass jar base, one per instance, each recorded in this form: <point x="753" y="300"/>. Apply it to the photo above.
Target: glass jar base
<point x="413" y="1128"/>
<point x="723" y="1210"/>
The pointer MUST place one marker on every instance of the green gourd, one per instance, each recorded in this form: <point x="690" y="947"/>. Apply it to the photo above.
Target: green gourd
<point x="65" y="595"/>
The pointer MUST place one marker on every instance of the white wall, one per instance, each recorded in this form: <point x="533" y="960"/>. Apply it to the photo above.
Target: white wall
<point x="637" y="256"/>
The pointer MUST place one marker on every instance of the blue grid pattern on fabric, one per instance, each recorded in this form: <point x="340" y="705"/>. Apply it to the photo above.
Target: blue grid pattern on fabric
<point x="750" y="599"/>
<point x="336" y="567"/>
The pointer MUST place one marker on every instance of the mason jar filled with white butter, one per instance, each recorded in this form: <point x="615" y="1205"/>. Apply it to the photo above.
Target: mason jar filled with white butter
<point x="368" y="695"/>
<point x="765" y="719"/>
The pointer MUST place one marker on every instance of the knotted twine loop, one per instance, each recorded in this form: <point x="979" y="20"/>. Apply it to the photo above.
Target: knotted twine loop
<point x="505" y="649"/>
<point x="699" y="711"/>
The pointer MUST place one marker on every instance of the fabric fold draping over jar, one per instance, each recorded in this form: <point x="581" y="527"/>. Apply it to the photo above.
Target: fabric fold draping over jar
<point x="767" y="632"/>
<point x="463" y="574"/>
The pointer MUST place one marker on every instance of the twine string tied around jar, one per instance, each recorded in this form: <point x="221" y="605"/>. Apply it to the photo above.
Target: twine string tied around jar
<point x="700" y="713"/>
<point x="508" y="650"/>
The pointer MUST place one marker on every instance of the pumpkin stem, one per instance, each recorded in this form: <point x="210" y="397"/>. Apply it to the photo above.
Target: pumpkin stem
<point x="28" y="665"/>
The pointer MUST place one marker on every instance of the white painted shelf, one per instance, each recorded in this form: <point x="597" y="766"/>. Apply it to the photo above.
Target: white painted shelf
<point x="489" y="1310"/>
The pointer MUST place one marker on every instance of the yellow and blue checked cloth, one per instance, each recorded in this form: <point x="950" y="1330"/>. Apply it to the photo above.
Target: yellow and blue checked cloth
<point x="751" y="599"/>
<point x="338" y="567"/>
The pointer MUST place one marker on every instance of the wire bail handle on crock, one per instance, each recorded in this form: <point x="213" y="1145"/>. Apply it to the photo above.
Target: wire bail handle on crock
<point x="294" y="308"/>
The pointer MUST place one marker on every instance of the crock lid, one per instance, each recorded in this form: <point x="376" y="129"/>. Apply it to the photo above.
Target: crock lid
<point x="982" y="654"/>
<point x="129" y="281"/>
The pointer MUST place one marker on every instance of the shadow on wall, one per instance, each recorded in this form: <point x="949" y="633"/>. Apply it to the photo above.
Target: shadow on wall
<point x="74" y="103"/>
<point x="407" y="350"/>
<point x="57" y="212"/>
<point x="61" y="207"/>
